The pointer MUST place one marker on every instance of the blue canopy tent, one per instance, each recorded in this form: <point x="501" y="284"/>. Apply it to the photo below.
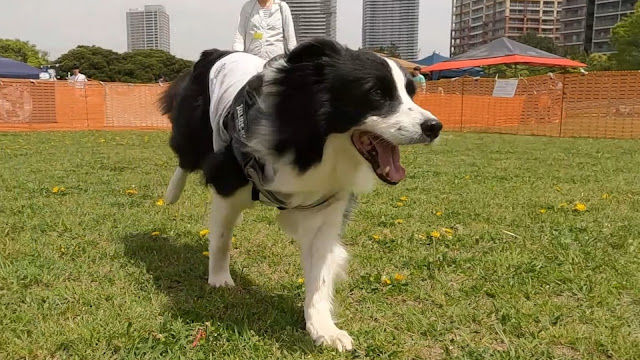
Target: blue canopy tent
<point x="17" y="70"/>
<point x="436" y="58"/>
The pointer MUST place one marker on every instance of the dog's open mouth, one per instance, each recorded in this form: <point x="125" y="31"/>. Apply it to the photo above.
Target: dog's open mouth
<point x="382" y="154"/>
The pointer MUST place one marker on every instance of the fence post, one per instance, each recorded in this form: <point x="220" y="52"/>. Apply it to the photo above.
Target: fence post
<point x="564" y="79"/>
<point x="461" y="102"/>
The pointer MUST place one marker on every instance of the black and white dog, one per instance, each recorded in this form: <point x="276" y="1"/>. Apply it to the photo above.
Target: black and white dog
<point x="304" y="133"/>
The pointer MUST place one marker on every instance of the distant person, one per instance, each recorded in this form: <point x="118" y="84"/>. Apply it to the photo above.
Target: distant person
<point x="419" y="79"/>
<point x="77" y="76"/>
<point x="265" y="29"/>
<point x="161" y="81"/>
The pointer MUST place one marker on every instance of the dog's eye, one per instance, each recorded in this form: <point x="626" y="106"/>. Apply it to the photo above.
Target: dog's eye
<point x="377" y="93"/>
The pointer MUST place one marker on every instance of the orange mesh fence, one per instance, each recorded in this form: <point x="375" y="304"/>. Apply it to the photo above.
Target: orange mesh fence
<point x="134" y="106"/>
<point x="59" y="105"/>
<point x="601" y="105"/>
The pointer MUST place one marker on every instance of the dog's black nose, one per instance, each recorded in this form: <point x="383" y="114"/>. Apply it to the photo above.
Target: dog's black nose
<point x="431" y="128"/>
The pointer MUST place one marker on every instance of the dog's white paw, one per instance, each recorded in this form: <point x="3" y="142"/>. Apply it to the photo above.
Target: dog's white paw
<point x="331" y="336"/>
<point x="221" y="280"/>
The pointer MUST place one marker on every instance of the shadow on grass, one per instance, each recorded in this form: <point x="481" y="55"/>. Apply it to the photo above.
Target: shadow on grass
<point x="180" y="271"/>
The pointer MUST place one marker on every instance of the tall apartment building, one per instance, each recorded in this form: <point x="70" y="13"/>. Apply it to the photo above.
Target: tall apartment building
<point x="477" y="22"/>
<point x="391" y="22"/>
<point x="314" y="18"/>
<point x="148" y="28"/>
<point x="587" y="24"/>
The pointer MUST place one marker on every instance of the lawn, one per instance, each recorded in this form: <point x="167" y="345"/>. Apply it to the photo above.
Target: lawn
<point x="479" y="254"/>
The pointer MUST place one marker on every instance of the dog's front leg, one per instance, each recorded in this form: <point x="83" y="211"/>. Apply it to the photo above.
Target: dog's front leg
<point x="323" y="259"/>
<point x="225" y="212"/>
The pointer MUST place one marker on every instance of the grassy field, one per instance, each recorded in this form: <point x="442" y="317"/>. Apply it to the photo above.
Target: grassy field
<point x="479" y="254"/>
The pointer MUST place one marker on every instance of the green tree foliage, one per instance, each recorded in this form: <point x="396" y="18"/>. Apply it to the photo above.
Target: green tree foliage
<point x="391" y="50"/>
<point x="600" y="62"/>
<point x="95" y="62"/>
<point x="23" y="51"/>
<point x="626" y="40"/>
<point x="543" y="43"/>
<point x="142" y="66"/>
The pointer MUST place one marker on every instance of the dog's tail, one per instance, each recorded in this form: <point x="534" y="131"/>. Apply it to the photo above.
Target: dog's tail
<point x="176" y="185"/>
<point x="169" y="99"/>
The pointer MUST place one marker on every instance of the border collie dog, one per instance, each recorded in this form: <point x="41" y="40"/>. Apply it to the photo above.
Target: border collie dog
<point x="303" y="132"/>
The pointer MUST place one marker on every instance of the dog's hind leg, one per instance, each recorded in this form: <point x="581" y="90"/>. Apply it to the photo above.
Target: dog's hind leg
<point x="225" y="213"/>
<point x="176" y="185"/>
<point x="323" y="258"/>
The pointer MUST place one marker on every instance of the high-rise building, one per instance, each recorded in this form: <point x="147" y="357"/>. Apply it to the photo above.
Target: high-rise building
<point x="314" y="18"/>
<point x="587" y="24"/>
<point x="148" y="28"/>
<point x="387" y="23"/>
<point x="477" y="22"/>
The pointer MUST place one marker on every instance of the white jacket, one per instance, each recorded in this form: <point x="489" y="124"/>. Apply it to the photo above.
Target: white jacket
<point x="264" y="34"/>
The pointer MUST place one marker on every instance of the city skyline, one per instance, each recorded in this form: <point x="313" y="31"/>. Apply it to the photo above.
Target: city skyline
<point x="477" y="22"/>
<point x="314" y="18"/>
<point x="388" y="23"/>
<point x="149" y="28"/>
<point x="195" y="25"/>
<point x="586" y="24"/>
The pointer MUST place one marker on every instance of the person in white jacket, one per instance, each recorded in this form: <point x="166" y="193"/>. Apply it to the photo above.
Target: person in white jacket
<point x="265" y="29"/>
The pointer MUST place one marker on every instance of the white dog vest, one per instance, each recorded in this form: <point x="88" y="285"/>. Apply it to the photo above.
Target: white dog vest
<point x="231" y="103"/>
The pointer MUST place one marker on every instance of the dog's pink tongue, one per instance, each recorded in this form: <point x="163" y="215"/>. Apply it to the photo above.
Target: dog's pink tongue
<point x="389" y="157"/>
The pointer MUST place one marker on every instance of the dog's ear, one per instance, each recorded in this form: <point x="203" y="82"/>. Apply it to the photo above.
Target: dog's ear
<point x="314" y="50"/>
<point x="303" y="102"/>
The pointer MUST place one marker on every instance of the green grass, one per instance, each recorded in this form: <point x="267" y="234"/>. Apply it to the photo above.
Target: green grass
<point x="82" y="277"/>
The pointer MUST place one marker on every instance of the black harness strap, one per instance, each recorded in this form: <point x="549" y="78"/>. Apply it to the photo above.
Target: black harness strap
<point x="237" y="123"/>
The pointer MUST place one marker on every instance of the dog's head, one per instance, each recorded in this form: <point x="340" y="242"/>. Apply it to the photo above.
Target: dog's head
<point x="323" y="88"/>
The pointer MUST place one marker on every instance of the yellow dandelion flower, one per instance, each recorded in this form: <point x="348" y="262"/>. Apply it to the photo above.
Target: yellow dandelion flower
<point x="404" y="198"/>
<point x="399" y="277"/>
<point x="131" y="192"/>
<point x="205" y="253"/>
<point x="155" y="233"/>
<point x="399" y="204"/>
<point x="55" y="189"/>
<point x="448" y="232"/>
<point x="399" y="221"/>
<point x="301" y="281"/>
<point x="580" y="207"/>
<point x="233" y="239"/>
<point x="438" y="213"/>
<point x="542" y="211"/>
<point x="435" y="234"/>
<point x="385" y="280"/>
<point x="376" y="237"/>
<point x="160" y="202"/>
<point x="204" y="232"/>
<point x="62" y="189"/>
<point x="605" y="196"/>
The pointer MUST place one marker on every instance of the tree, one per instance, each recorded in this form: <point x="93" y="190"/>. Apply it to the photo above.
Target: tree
<point x="391" y="50"/>
<point x="600" y="62"/>
<point x="142" y="66"/>
<point x="626" y="40"/>
<point x="95" y="62"/>
<point x="543" y="43"/>
<point x="23" y="51"/>
<point x="150" y="65"/>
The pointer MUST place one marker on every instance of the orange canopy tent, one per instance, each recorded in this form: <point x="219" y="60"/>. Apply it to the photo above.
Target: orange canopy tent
<point x="503" y="51"/>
